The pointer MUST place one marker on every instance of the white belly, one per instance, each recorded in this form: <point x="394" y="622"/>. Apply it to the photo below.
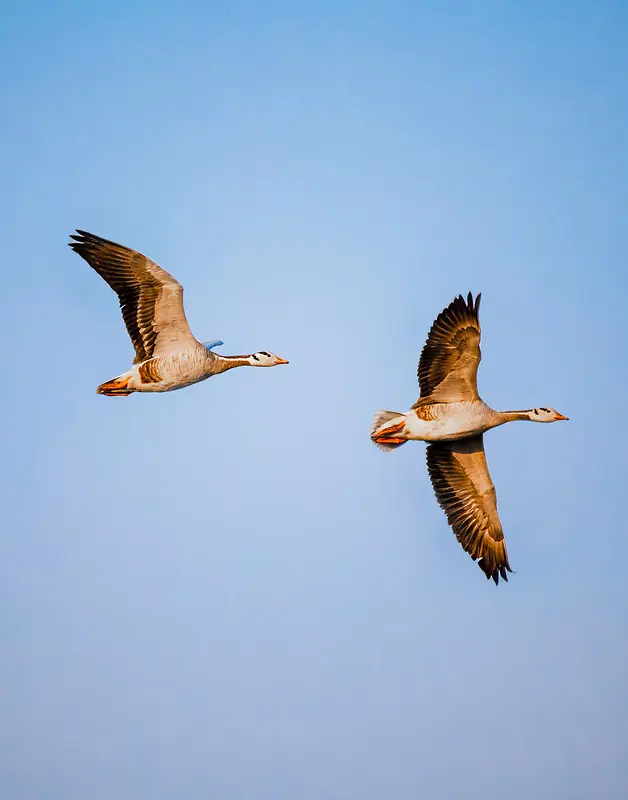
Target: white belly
<point x="172" y="372"/>
<point x="452" y="421"/>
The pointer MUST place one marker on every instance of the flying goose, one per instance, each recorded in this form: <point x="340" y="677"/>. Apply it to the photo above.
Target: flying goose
<point x="167" y="356"/>
<point x="452" y="417"/>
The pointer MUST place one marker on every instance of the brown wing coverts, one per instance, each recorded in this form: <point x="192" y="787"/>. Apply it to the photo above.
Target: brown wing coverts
<point x="465" y="491"/>
<point x="128" y="273"/>
<point x="454" y="335"/>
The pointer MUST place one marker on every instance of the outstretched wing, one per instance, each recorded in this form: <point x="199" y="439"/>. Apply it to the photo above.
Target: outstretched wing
<point x="465" y="491"/>
<point x="150" y="298"/>
<point x="450" y="357"/>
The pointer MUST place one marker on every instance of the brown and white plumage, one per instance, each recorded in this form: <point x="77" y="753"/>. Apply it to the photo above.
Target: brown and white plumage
<point x="151" y="300"/>
<point x="449" y="361"/>
<point x="452" y="417"/>
<point x="167" y="355"/>
<point x="465" y="491"/>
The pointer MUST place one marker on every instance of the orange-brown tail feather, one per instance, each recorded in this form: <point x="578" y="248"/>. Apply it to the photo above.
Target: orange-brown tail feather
<point x="118" y="387"/>
<point x="379" y="436"/>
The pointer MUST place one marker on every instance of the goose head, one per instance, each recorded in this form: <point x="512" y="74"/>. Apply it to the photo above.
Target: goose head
<point x="545" y="415"/>
<point x="265" y="359"/>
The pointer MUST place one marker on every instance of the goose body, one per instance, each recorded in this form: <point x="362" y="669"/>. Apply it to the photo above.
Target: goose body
<point x="452" y="418"/>
<point x="167" y="355"/>
<point x="443" y="422"/>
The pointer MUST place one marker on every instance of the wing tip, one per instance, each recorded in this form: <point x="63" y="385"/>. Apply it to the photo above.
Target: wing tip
<point x="462" y="304"/>
<point x="494" y="571"/>
<point x="87" y="239"/>
<point x="80" y="239"/>
<point x="473" y="304"/>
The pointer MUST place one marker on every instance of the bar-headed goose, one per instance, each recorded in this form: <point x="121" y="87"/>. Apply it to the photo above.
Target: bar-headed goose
<point x="451" y="416"/>
<point x="167" y="356"/>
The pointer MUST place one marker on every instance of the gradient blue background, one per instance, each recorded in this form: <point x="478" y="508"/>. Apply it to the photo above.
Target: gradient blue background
<point x="228" y="592"/>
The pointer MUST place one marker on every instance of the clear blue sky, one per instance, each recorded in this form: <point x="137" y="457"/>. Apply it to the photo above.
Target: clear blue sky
<point x="228" y="592"/>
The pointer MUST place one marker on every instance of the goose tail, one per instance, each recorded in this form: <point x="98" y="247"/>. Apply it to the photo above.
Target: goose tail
<point x="387" y="430"/>
<point x="116" y="387"/>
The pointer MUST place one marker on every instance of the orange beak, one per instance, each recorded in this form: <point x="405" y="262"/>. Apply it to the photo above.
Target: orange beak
<point x="560" y="416"/>
<point x="283" y="361"/>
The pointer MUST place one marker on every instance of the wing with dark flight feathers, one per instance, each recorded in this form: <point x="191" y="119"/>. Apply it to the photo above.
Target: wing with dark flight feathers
<point x="465" y="491"/>
<point x="450" y="357"/>
<point x="151" y="300"/>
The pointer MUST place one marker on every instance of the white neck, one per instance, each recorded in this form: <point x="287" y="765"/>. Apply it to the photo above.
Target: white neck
<point x="512" y="416"/>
